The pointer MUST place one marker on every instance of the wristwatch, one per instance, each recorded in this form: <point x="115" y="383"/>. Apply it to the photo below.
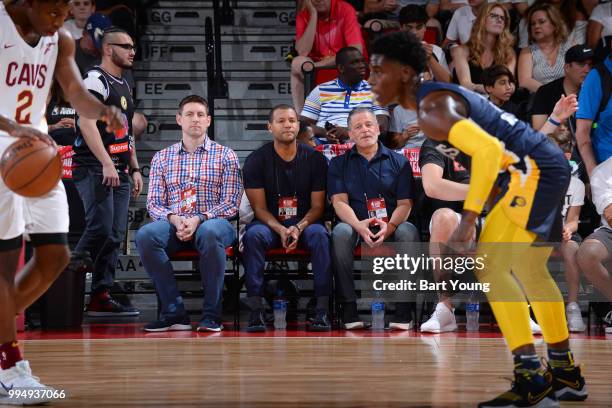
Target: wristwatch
<point x="134" y="170"/>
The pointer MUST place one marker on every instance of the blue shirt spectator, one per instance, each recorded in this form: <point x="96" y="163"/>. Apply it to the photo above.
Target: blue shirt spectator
<point x="387" y="175"/>
<point x="589" y="102"/>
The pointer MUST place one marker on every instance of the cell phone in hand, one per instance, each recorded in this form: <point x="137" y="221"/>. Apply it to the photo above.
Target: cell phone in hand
<point x="329" y="126"/>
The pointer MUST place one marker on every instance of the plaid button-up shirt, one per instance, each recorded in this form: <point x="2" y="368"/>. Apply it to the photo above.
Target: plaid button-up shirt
<point x="212" y="169"/>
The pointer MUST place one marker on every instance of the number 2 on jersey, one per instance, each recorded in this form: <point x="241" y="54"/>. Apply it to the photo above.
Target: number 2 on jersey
<point x="24" y="102"/>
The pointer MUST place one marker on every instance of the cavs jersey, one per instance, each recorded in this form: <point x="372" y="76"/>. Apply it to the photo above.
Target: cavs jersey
<point x="26" y="74"/>
<point x="534" y="173"/>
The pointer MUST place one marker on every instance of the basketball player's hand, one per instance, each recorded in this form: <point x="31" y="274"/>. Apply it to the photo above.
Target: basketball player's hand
<point x="113" y="118"/>
<point x="138" y="184"/>
<point x="110" y="177"/>
<point x="462" y="237"/>
<point x="31" y="133"/>
<point x="379" y="237"/>
<point x="363" y="229"/>
<point x="565" y="107"/>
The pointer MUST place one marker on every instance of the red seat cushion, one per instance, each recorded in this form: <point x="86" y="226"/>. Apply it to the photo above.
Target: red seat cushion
<point x="192" y="254"/>
<point x="281" y="252"/>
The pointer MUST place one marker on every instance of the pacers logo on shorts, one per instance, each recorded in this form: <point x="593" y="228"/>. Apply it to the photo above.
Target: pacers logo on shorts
<point x="123" y="103"/>
<point x="518" y="201"/>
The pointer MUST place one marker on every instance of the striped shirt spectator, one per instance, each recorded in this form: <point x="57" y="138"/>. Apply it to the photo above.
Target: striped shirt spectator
<point x="333" y="101"/>
<point x="212" y="169"/>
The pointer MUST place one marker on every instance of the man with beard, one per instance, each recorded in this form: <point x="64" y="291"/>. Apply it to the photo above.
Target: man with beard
<point x="101" y="162"/>
<point x="285" y="184"/>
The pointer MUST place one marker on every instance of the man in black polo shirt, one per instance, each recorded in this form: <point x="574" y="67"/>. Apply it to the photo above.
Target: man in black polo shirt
<point x="361" y="183"/>
<point x="285" y="184"/>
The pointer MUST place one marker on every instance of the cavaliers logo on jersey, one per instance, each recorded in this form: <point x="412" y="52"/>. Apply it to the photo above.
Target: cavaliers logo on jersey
<point x="124" y="103"/>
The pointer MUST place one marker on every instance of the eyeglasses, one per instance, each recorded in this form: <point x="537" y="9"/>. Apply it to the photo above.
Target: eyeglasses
<point x="128" y="47"/>
<point x="497" y="17"/>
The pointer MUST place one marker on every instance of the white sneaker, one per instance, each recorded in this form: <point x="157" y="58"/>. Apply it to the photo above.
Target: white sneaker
<point x="400" y="326"/>
<point x="442" y="320"/>
<point x="535" y="328"/>
<point x="608" y="322"/>
<point x="16" y="382"/>
<point x="354" y="326"/>
<point x="574" y="318"/>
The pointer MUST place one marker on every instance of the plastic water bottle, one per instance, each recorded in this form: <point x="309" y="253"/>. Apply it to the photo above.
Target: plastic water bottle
<point x="280" y="313"/>
<point x="378" y="315"/>
<point x="472" y="313"/>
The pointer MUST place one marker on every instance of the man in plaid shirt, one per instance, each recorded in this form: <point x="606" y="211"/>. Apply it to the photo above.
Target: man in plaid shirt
<point x="194" y="187"/>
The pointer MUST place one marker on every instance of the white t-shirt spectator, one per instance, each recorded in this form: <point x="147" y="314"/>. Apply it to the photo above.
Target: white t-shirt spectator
<point x="601" y="188"/>
<point x="439" y="54"/>
<point x="603" y="15"/>
<point x="72" y="28"/>
<point x="574" y="196"/>
<point x="400" y="120"/>
<point x="460" y="25"/>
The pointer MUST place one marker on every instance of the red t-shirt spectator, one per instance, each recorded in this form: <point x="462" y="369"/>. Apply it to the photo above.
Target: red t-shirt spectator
<point x="340" y="30"/>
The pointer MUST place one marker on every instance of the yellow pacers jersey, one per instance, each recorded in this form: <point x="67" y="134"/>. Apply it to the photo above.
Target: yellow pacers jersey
<point x="533" y="172"/>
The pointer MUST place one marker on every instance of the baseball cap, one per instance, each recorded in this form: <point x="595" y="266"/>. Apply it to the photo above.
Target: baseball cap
<point x="578" y="53"/>
<point x="96" y="24"/>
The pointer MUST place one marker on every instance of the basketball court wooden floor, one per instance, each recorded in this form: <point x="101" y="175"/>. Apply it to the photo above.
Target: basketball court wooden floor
<point x="119" y="365"/>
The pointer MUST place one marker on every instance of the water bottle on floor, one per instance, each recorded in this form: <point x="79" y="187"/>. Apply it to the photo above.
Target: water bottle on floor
<point x="279" y="306"/>
<point x="378" y="315"/>
<point x="472" y="313"/>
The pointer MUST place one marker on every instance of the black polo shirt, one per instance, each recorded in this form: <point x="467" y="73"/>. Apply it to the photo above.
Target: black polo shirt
<point x="387" y="175"/>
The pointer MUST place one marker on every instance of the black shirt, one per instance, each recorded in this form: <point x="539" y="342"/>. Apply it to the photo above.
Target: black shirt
<point x="306" y="173"/>
<point x="547" y="96"/>
<point x="57" y="111"/>
<point x="387" y="175"/>
<point x="451" y="170"/>
<point x="110" y="91"/>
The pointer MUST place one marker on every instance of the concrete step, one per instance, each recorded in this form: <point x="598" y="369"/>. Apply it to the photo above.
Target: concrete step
<point x="193" y="49"/>
<point x="238" y="89"/>
<point x="176" y="15"/>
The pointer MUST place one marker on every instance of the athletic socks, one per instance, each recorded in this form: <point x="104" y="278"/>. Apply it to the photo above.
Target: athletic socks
<point x="560" y="358"/>
<point x="9" y="354"/>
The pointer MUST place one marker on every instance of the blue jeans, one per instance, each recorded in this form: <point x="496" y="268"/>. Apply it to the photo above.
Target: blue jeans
<point x="260" y="238"/>
<point x="157" y="241"/>
<point x="106" y="214"/>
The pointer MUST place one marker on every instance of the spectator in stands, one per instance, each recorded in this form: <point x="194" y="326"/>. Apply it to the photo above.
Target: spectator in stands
<point x="542" y="62"/>
<point x="371" y="189"/>
<point x="386" y="13"/>
<point x="573" y="14"/>
<point x="445" y="183"/>
<point x="88" y="53"/>
<point x="329" y="104"/>
<point x="490" y="44"/>
<point x="595" y="112"/>
<point x="194" y="188"/>
<point x="574" y="200"/>
<point x="102" y="160"/>
<point x="404" y="131"/>
<point x="413" y="18"/>
<point x="595" y="254"/>
<point x="80" y="10"/>
<point x="499" y="84"/>
<point x="578" y="61"/>
<point x="323" y="27"/>
<point x="600" y="25"/>
<point x="285" y="184"/>
<point x="460" y="26"/>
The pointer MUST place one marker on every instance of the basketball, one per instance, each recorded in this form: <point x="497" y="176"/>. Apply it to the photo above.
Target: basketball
<point x="30" y="167"/>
